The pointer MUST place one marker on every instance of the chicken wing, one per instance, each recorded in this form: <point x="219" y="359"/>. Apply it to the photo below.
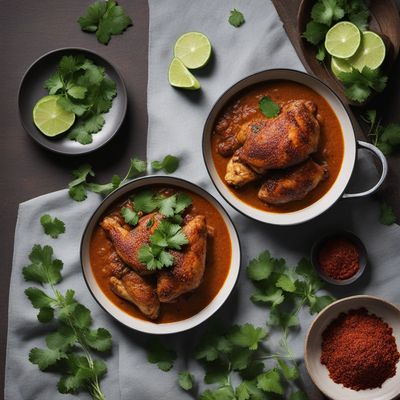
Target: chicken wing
<point x="283" y="141"/>
<point x="128" y="242"/>
<point x="292" y="184"/>
<point x="189" y="264"/>
<point x="237" y="173"/>
<point x="132" y="287"/>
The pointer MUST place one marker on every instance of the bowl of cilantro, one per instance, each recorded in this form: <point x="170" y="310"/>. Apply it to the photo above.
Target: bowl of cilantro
<point x="160" y="255"/>
<point x="77" y="85"/>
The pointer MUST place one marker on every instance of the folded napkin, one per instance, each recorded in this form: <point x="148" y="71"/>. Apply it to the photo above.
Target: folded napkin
<point x="176" y="119"/>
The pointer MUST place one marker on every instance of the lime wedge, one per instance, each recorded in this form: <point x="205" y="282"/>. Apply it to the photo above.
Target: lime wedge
<point x="371" y="53"/>
<point x="343" y="40"/>
<point x="180" y="77"/>
<point x="338" y="65"/>
<point x="193" y="49"/>
<point x="50" y="118"/>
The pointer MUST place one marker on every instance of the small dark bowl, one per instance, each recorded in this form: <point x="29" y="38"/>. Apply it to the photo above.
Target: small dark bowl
<point x="31" y="90"/>
<point x="356" y="241"/>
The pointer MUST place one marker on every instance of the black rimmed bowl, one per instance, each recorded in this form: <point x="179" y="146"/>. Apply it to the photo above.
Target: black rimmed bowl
<point x="145" y="325"/>
<point x="363" y="256"/>
<point x="32" y="89"/>
<point x="336" y="191"/>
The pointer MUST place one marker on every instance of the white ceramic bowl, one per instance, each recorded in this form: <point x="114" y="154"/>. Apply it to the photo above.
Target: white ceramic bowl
<point x="350" y="146"/>
<point x="319" y="373"/>
<point x="144" y="325"/>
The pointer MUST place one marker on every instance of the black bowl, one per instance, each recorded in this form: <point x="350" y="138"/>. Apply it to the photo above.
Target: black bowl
<point x="32" y="89"/>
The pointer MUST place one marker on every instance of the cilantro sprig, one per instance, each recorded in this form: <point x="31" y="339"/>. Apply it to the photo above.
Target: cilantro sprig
<point x="105" y="18"/>
<point x="70" y="345"/>
<point x="52" y="226"/>
<point x="236" y="18"/>
<point x="268" y="107"/>
<point x="84" y="89"/>
<point x="169" y="164"/>
<point x="387" y="215"/>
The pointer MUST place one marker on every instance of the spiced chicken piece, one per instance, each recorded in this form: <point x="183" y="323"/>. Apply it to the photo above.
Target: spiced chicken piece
<point x="238" y="174"/>
<point x="283" y="141"/>
<point x="293" y="183"/>
<point x="128" y="242"/>
<point x="132" y="287"/>
<point x="187" y="272"/>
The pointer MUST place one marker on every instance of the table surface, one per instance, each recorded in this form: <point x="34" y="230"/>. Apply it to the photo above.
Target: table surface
<point x="29" y="29"/>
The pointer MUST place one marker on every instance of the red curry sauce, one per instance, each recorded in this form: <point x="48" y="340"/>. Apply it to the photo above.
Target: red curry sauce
<point x="218" y="261"/>
<point x="244" y="107"/>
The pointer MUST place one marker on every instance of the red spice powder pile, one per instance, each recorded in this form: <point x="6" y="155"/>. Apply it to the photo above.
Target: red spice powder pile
<point x="339" y="258"/>
<point x="359" y="350"/>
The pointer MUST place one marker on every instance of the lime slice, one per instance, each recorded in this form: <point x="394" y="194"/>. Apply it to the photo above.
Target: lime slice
<point x="193" y="49"/>
<point x="180" y="77"/>
<point x="371" y="52"/>
<point x="338" y="66"/>
<point x="343" y="40"/>
<point x="50" y="118"/>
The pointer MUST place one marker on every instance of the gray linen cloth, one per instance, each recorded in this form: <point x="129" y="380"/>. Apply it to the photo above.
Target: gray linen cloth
<point x="176" y="119"/>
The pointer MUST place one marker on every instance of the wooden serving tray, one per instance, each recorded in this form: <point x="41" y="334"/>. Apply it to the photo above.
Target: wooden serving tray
<point x="385" y="20"/>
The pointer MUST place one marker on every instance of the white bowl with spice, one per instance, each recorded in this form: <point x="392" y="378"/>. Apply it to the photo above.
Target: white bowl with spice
<point x="352" y="349"/>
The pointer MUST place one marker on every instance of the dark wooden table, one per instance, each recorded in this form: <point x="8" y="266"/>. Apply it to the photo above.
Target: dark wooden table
<point x="29" y="29"/>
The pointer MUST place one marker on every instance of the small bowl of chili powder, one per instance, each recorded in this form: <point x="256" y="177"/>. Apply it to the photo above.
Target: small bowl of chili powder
<point x="340" y="258"/>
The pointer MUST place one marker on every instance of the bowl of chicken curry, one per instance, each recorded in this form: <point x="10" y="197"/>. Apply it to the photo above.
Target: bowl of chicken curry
<point x="279" y="146"/>
<point x="160" y="255"/>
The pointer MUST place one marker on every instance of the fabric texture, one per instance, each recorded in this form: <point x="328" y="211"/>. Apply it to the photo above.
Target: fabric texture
<point x="176" y="120"/>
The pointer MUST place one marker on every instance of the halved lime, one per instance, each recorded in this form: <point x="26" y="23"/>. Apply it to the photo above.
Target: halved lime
<point x="50" y="118"/>
<point x="371" y="53"/>
<point x="180" y="77"/>
<point x="343" y="40"/>
<point x="338" y="66"/>
<point x="193" y="49"/>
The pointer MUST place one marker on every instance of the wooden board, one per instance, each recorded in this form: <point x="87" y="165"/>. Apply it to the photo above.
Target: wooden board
<point x="387" y="104"/>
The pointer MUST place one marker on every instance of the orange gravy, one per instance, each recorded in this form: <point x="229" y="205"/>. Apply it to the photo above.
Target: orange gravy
<point x="244" y="107"/>
<point x="218" y="261"/>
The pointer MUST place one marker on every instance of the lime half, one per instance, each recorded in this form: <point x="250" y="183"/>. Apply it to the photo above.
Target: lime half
<point x="371" y="53"/>
<point x="50" y="118"/>
<point x="338" y="66"/>
<point x="343" y="40"/>
<point x="193" y="49"/>
<point x="180" y="77"/>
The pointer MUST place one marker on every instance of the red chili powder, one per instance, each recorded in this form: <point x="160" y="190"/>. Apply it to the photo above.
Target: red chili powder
<point x="359" y="350"/>
<point x="339" y="258"/>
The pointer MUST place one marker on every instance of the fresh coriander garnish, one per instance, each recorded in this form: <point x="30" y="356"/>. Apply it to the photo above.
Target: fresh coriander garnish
<point x="70" y="345"/>
<point x="268" y="107"/>
<point x="130" y="216"/>
<point x="85" y="90"/>
<point x="158" y="354"/>
<point x="169" y="164"/>
<point x="79" y="186"/>
<point x="52" y="226"/>
<point x="106" y="18"/>
<point x="387" y="215"/>
<point x="236" y="18"/>
<point x="186" y="380"/>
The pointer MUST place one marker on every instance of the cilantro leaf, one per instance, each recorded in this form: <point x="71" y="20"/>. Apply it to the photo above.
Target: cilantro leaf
<point x="145" y="201"/>
<point x="99" y="339"/>
<point x="106" y="19"/>
<point x="286" y="283"/>
<point x="158" y="354"/>
<point x="240" y="358"/>
<point x="327" y="11"/>
<point x="270" y="382"/>
<point x="105" y="188"/>
<point x="247" y="336"/>
<point x="268" y="107"/>
<point x="77" y="187"/>
<point x="136" y="168"/>
<point x="272" y="295"/>
<point x="83" y="130"/>
<point x="260" y="268"/>
<point x="183" y="201"/>
<point x="46" y="314"/>
<point x="186" y="380"/>
<point x="169" y="235"/>
<point x="236" y="18"/>
<point x="44" y="358"/>
<point x="169" y="164"/>
<point x="315" y="32"/>
<point x="38" y="298"/>
<point x="44" y="269"/>
<point x="387" y="215"/>
<point x="248" y="390"/>
<point x="290" y="373"/>
<point x="222" y="393"/>
<point x="318" y="303"/>
<point x="217" y="372"/>
<point x="130" y="216"/>
<point x="391" y="134"/>
<point x="52" y="226"/>
<point x="148" y="255"/>
<point x="282" y="319"/>
<point x="167" y="206"/>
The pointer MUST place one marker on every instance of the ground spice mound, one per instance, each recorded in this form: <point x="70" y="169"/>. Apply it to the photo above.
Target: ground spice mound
<point x="359" y="350"/>
<point x="339" y="258"/>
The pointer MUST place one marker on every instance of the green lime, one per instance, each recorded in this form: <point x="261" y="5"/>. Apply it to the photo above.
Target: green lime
<point x="371" y="52"/>
<point x="338" y="65"/>
<point x="343" y="40"/>
<point x="180" y="77"/>
<point x="193" y="49"/>
<point x="50" y="118"/>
